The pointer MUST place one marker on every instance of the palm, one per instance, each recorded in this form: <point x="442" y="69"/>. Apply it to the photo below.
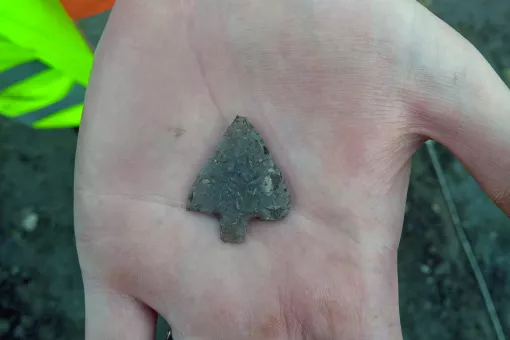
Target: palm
<point x="330" y="90"/>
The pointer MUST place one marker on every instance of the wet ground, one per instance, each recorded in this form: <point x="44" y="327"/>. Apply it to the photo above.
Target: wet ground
<point x="40" y="288"/>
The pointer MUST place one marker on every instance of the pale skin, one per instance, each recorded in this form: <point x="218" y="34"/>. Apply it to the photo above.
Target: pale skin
<point x="343" y="92"/>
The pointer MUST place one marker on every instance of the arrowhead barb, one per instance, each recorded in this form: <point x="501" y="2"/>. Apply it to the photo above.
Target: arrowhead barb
<point x="240" y="181"/>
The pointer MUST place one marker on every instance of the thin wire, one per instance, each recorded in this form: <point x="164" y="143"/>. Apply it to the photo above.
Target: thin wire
<point x="464" y="241"/>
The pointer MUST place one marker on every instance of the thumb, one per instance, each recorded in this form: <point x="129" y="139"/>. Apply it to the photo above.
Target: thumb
<point x="459" y="101"/>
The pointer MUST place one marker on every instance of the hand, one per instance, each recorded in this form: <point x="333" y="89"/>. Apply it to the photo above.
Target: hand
<point x="343" y="92"/>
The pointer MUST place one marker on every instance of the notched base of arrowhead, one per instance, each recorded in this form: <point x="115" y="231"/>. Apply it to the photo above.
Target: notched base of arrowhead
<point x="240" y="181"/>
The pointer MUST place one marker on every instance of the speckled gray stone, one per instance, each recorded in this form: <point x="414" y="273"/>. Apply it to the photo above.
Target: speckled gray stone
<point x="240" y="181"/>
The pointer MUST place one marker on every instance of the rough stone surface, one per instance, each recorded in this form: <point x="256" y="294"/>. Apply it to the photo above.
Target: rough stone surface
<point x="240" y="181"/>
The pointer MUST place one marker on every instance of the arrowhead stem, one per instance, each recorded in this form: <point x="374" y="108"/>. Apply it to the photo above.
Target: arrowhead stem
<point x="233" y="230"/>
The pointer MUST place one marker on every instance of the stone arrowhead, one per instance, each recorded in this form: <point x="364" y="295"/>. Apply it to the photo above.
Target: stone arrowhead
<point x="240" y="181"/>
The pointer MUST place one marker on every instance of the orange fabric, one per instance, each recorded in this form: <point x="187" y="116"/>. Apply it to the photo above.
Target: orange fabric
<point x="79" y="9"/>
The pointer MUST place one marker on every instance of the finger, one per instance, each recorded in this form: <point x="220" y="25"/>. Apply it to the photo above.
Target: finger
<point x="457" y="99"/>
<point x="112" y="315"/>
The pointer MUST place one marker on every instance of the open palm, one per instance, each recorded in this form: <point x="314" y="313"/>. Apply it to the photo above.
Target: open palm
<point x="343" y="93"/>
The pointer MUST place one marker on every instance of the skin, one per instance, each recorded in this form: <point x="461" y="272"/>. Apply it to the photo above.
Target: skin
<point x="343" y="93"/>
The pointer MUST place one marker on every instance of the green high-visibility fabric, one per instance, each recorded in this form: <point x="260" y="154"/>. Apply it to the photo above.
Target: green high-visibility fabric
<point x="41" y="30"/>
